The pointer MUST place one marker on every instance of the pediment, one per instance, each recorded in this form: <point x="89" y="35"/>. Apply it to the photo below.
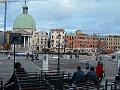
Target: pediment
<point x="23" y="32"/>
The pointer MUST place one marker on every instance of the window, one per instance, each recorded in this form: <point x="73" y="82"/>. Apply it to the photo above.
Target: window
<point x="38" y="40"/>
<point x="72" y="37"/>
<point x="57" y="41"/>
<point x="32" y="32"/>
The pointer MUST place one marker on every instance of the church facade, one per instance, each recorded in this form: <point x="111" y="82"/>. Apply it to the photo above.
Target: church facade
<point x="25" y="25"/>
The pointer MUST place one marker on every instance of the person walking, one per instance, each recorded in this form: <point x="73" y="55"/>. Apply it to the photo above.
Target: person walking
<point x="99" y="71"/>
<point x="87" y="65"/>
<point x="27" y="56"/>
<point x="8" y="56"/>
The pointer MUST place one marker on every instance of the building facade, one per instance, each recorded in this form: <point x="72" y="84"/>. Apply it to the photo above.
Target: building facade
<point x="1" y="39"/>
<point x="25" y="25"/>
<point x="112" y="43"/>
<point x="81" y="43"/>
<point x="55" y="40"/>
<point x="42" y="40"/>
<point x="31" y="39"/>
<point x="69" y="42"/>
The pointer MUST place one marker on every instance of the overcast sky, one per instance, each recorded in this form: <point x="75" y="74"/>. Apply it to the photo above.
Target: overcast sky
<point x="90" y="16"/>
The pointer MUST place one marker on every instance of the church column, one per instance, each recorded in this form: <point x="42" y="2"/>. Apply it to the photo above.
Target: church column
<point x="28" y="41"/>
<point x="24" y="41"/>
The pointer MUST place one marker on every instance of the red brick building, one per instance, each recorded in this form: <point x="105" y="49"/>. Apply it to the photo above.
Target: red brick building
<point x="83" y="43"/>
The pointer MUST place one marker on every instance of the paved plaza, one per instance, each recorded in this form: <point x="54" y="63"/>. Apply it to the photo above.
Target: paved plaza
<point x="68" y="65"/>
<point x="6" y="66"/>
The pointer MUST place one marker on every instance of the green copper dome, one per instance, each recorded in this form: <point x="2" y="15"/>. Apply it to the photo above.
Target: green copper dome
<point x="24" y="20"/>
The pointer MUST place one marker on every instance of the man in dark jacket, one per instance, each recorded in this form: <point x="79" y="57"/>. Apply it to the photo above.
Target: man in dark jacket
<point x="78" y="76"/>
<point x="92" y="75"/>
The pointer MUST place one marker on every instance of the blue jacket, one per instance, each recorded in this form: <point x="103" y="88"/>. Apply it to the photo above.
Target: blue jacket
<point x="78" y="76"/>
<point x="92" y="75"/>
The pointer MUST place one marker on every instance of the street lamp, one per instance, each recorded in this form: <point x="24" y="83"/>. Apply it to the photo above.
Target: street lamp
<point x="58" y="64"/>
<point x="64" y="43"/>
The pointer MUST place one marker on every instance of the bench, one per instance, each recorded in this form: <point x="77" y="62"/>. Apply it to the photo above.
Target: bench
<point x="87" y="85"/>
<point x="110" y="83"/>
<point x="58" y="80"/>
<point x="115" y="85"/>
<point x="91" y="85"/>
<point x="32" y="81"/>
<point x="1" y="83"/>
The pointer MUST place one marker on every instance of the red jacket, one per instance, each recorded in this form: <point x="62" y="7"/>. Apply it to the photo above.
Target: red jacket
<point x="99" y="70"/>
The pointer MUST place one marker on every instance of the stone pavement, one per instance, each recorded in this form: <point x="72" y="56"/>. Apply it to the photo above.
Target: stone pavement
<point x="69" y="65"/>
<point x="6" y="67"/>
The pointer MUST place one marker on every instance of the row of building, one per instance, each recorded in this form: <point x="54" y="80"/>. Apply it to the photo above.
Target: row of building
<point x="83" y="43"/>
<point x="66" y="42"/>
<point x="33" y="40"/>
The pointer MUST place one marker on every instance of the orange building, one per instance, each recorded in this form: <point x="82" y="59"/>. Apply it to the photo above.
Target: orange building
<point x="69" y="42"/>
<point x="82" y="43"/>
<point x="102" y="46"/>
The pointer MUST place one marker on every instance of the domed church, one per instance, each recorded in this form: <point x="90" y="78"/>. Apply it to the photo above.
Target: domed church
<point x="25" y="25"/>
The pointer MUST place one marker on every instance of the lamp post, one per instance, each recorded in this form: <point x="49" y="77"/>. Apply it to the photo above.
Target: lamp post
<point x="64" y="43"/>
<point x="58" y="64"/>
<point x="72" y="47"/>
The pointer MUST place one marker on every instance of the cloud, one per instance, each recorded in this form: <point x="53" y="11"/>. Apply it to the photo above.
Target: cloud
<point x="88" y="15"/>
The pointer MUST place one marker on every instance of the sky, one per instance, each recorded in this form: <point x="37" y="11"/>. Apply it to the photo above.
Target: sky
<point x="89" y="16"/>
